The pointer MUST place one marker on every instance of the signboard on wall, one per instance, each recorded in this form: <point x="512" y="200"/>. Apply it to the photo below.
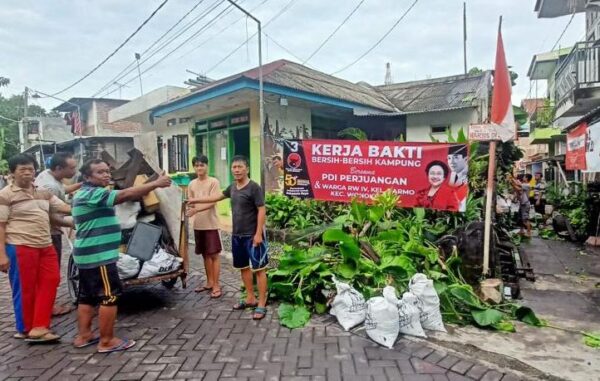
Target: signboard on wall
<point x="483" y="132"/>
<point x="576" y="148"/>
<point x="592" y="151"/>
<point x="430" y="175"/>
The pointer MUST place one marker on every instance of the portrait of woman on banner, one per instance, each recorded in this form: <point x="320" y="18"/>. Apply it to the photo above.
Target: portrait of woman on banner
<point x="439" y="195"/>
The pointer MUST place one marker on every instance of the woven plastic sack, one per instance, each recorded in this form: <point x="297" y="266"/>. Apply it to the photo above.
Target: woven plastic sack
<point x="429" y="302"/>
<point x="348" y="306"/>
<point x="410" y="315"/>
<point x="382" y="322"/>
<point x="160" y="263"/>
<point x="128" y="266"/>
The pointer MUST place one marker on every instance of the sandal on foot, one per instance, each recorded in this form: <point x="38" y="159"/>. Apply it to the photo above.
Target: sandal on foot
<point x="202" y="289"/>
<point x="45" y="338"/>
<point x="259" y="313"/>
<point x="215" y="294"/>
<point x="243" y="305"/>
<point x="91" y="341"/>
<point x="125" y="345"/>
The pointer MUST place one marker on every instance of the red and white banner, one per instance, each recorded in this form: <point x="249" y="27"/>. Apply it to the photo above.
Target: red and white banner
<point x="502" y="112"/>
<point x="429" y="175"/>
<point x="576" y="148"/>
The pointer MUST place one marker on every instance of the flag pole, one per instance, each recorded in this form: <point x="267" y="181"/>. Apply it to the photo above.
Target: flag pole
<point x="487" y="235"/>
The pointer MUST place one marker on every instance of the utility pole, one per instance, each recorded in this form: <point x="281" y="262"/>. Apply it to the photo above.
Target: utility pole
<point x="465" y="35"/>
<point x="22" y="124"/>
<point x="137" y="58"/>
<point x="261" y="101"/>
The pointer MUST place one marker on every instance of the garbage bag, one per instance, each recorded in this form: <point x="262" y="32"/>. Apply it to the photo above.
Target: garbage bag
<point x="429" y="302"/>
<point x="382" y="322"/>
<point x="348" y="306"/>
<point x="160" y="263"/>
<point x="127" y="213"/>
<point x="410" y="315"/>
<point x="127" y="266"/>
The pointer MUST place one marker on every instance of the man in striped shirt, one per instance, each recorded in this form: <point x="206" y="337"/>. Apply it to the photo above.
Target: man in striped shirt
<point x="96" y="251"/>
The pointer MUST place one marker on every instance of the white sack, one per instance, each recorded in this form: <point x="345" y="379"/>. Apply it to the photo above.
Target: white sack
<point x="160" y="263"/>
<point x="410" y="315"/>
<point x="127" y="266"/>
<point x="127" y="213"/>
<point x="429" y="302"/>
<point x="348" y="306"/>
<point x="382" y="323"/>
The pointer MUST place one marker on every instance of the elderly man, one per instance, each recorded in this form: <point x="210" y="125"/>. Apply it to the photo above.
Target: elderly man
<point x="96" y="252"/>
<point x="62" y="166"/>
<point x="26" y="250"/>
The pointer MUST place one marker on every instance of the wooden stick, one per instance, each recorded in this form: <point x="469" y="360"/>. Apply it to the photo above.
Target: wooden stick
<point x="488" y="208"/>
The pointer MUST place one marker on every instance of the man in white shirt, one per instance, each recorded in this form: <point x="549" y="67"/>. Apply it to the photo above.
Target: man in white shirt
<point x="62" y="166"/>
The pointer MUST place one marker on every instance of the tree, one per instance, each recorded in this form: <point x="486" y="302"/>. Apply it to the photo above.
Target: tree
<point x="513" y="75"/>
<point x="4" y="81"/>
<point x="12" y="108"/>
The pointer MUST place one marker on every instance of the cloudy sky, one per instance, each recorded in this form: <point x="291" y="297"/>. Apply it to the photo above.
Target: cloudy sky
<point x="48" y="45"/>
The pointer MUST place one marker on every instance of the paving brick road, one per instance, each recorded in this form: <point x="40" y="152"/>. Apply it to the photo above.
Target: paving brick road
<point x="187" y="336"/>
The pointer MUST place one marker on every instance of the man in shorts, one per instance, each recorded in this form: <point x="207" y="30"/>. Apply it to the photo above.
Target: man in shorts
<point x="206" y="224"/>
<point x="96" y="251"/>
<point x="26" y="250"/>
<point x="248" y="244"/>
<point x="521" y="188"/>
<point x="62" y="166"/>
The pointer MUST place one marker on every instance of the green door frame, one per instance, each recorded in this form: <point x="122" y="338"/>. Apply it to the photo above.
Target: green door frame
<point x="205" y="134"/>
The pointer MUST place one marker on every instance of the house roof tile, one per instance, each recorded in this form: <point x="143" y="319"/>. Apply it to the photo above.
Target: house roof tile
<point x="437" y="94"/>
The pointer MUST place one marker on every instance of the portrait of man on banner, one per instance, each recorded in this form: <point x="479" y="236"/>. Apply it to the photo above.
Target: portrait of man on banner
<point x="458" y="161"/>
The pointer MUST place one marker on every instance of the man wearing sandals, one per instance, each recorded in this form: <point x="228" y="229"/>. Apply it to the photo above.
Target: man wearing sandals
<point x="248" y="243"/>
<point x="62" y="166"/>
<point x="26" y="250"/>
<point x="96" y="251"/>
<point x="206" y="225"/>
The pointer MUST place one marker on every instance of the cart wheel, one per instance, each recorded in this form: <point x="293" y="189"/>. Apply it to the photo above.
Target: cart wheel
<point x="169" y="283"/>
<point x="73" y="280"/>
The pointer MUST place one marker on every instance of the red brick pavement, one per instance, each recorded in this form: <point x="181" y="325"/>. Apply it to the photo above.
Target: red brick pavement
<point x="187" y="336"/>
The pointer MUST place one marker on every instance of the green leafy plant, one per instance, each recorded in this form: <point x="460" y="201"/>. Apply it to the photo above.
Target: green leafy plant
<point x="293" y="316"/>
<point x="353" y="133"/>
<point x="377" y="245"/>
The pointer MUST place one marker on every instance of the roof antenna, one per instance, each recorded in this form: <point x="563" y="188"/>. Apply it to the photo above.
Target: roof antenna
<point x="388" y="74"/>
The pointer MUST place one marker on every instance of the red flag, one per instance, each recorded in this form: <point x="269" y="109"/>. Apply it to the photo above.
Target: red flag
<point x="502" y="113"/>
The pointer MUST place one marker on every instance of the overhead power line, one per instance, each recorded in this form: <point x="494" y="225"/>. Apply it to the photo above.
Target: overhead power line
<point x="9" y="119"/>
<point x="206" y="26"/>
<point x="219" y="32"/>
<point x="333" y="33"/>
<point x="282" y="11"/>
<point x="153" y="53"/>
<point x="114" y="52"/>
<point x="563" y="32"/>
<point x="379" y="41"/>
<point x="133" y="62"/>
<point x="283" y="47"/>
<point x="149" y="53"/>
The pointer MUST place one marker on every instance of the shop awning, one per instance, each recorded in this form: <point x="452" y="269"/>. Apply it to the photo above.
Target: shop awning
<point x="543" y="135"/>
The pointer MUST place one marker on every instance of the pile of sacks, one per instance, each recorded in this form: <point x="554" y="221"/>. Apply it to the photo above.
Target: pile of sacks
<point x="160" y="263"/>
<point x="386" y="317"/>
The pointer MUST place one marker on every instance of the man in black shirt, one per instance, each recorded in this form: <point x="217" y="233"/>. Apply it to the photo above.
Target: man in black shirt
<point x="248" y="244"/>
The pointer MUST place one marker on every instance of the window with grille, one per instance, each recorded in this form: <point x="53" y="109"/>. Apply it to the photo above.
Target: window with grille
<point x="178" y="151"/>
